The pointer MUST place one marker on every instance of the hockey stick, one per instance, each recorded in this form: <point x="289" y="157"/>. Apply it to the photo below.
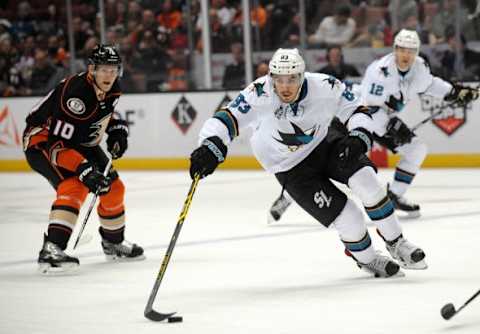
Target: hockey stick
<point x="429" y="118"/>
<point x="448" y="310"/>
<point x="149" y="312"/>
<point x="92" y="204"/>
<point x="432" y="116"/>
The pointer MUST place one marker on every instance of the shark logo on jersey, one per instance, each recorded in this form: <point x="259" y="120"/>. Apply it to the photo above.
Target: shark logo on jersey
<point x="295" y="140"/>
<point x="384" y="70"/>
<point x="332" y="81"/>
<point x="259" y="88"/>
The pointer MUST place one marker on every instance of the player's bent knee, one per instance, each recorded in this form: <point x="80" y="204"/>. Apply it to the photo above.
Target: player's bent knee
<point x="365" y="184"/>
<point x="113" y="200"/>
<point x="71" y="193"/>
<point x="350" y="223"/>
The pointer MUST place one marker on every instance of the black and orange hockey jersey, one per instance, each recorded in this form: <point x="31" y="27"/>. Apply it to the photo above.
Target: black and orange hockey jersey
<point x="70" y="119"/>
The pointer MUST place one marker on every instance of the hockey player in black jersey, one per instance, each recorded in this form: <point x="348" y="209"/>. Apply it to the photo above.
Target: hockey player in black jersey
<point x="61" y="142"/>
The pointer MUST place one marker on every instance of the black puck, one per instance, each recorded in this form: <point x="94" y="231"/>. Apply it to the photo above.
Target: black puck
<point x="448" y="311"/>
<point x="175" y="319"/>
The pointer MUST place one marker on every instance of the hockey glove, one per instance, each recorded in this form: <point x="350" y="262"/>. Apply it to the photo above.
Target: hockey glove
<point x="117" y="142"/>
<point x="462" y="95"/>
<point x="93" y="179"/>
<point x="398" y="132"/>
<point x="351" y="147"/>
<point x="205" y="159"/>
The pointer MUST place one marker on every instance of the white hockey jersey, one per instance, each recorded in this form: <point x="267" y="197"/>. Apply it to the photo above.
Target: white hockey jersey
<point x="383" y="83"/>
<point x="283" y="134"/>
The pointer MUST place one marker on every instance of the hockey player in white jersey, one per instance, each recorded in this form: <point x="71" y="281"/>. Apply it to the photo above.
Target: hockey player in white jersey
<point x="290" y="112"/>
<point x="389" y="83"/>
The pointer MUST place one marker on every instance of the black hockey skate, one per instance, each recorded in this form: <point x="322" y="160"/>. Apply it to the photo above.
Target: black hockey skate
<point x="400" y="203"/>
<point x="278" y="208"/>
<point x="380" y="266"/>
<point x="53" y="260"/>
<point x="124" y="251"/>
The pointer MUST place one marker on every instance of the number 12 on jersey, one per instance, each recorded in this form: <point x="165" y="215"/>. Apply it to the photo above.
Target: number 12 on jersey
<point x="63" y="129"/>
<point x="376" y="89"/>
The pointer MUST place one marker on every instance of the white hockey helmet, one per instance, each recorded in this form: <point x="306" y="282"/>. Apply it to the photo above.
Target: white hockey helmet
<point x="407" y="39"/>
<point x="287" y="61"/>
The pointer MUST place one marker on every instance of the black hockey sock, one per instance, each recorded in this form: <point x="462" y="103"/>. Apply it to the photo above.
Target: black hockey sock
<point x="113" y="236"/>
<point x="59" y="235"/>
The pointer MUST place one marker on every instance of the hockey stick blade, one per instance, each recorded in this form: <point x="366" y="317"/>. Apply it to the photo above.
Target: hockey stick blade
<point x="157" y="316"/>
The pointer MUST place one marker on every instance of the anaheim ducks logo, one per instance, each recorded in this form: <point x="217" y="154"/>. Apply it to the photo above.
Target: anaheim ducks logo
<point x="76" y="106"/>
<point x="451" y="117"/>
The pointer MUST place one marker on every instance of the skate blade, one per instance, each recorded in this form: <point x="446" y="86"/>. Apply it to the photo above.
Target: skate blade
<point x="114" y="258"/>
<point x="66" y="269"/>
<point x="271" y="219"/>
<point x="397" y="275"/>
<point x="421" y="265"/>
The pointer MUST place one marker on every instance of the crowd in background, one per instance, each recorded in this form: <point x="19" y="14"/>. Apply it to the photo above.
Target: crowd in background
<point x="154" y="41"/>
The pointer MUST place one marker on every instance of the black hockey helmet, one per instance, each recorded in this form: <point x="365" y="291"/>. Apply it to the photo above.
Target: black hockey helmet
<point x="104" y="54"/>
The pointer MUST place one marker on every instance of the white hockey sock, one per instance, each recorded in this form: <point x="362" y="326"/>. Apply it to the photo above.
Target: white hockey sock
<point x="354" y="234"/>
<point x="412" y="156"/>
<point x="379" y="207"/>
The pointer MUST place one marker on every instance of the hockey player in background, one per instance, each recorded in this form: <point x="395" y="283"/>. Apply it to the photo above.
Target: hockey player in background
<point x="290" y="112"/>
<point x="388" y="85"/>
<point x="61" y="142"/>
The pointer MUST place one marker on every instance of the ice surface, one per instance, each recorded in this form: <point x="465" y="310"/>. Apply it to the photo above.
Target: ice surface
<point x="231" y="272"/>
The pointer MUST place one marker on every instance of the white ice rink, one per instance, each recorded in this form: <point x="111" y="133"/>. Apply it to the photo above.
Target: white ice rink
<point x="231" y="272"/>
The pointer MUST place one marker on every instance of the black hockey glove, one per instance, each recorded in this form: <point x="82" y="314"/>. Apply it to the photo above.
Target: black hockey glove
<point x="351" y="147"/>
<point x="93" y="179"/>
<point x="117" y="141"/>
<point x="462" y="95"/>
<point x="398" y="132"/>
<point x="205" y="159"/>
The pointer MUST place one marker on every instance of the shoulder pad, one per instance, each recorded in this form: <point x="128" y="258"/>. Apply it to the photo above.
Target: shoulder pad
<point x="78" y="98"/>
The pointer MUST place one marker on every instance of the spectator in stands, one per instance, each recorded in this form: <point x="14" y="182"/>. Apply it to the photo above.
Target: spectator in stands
<point x="27" y="58"/>
<point x="291" y="33"/>
<point x="79" y="34"/>
<point x="24" y="24"/>
<point x="261" y="69"/>
<point x="336" y="65"/>
<point x="465" y="67"/>
<point x="177" y="79"/>
<point x="169" y="17"/>
<point x="152" y="61"/>
<point x="335" y="30"/>
<point x="45" y="75"/>
<point x="134" y="11"/>
<point x="10" y="78"/>
<point x="234" y="75"/>
<point x="472" y="26"/>
<point x="445" y="17"/>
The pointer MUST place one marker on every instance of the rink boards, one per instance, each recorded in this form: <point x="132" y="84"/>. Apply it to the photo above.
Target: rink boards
<point x="164" y="129"/>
